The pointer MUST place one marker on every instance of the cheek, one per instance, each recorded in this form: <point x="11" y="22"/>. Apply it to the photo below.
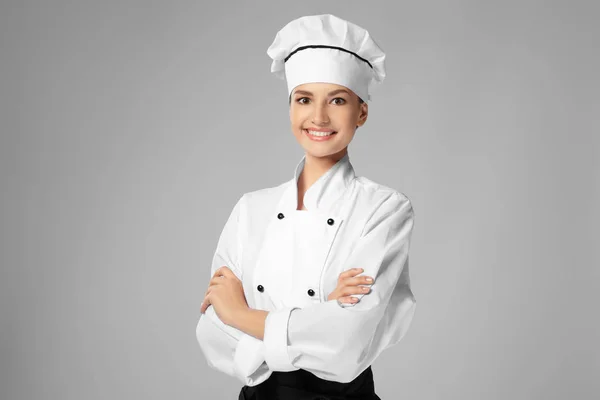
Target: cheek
<point x="298" y="119"/>
<point x="345" y="118"/>
<point x="296" y="124"/>
<point x="298" y="112"/>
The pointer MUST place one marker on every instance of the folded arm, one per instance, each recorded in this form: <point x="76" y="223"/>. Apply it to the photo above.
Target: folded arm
<point x="226" y="348"/>
<point x="338" y="342"/>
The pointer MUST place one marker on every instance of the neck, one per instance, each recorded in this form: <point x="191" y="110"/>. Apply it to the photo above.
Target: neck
<point x="314" y="168"/>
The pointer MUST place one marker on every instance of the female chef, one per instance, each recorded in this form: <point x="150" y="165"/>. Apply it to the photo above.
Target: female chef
<point x="287" y="310"/>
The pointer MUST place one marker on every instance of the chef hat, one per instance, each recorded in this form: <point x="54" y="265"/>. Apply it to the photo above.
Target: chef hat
<point x="325" y="48"/>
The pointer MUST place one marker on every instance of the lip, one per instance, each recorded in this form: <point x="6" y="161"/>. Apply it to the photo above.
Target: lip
<point x="318" y="138"/>
<point x="319" y="129"/>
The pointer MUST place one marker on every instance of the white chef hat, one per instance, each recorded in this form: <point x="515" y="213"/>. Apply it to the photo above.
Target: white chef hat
<point x="325" y="48"/>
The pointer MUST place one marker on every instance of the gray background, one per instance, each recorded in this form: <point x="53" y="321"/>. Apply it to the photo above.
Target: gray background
<point x="129" y="129"/>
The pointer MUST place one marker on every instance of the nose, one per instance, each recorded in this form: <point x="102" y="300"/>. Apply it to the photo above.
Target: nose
<point x="320" y="116"/>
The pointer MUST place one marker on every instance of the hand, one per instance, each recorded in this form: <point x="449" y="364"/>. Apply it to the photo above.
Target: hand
<point x="349" y="283"/>
<point x="206" y="302"/>
<point x="226" y="294"/>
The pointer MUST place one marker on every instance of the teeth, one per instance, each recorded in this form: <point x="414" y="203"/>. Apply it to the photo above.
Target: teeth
<point x="315" y="133"/>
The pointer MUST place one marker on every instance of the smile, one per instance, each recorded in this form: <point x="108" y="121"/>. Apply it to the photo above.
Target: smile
<point x="318" y="136"/>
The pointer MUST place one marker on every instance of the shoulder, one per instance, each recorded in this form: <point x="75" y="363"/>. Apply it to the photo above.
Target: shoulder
<point x="266" y="195"/>
<point x="257" y="202"/>
<point x="381" y="196"/>
<point x="386" y="207"/>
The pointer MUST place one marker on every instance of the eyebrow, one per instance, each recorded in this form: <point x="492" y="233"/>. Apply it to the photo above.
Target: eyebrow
<point x="305" y="92"/>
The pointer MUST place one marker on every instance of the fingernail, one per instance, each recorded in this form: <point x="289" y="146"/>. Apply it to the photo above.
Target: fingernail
<point x="369" y="279"/>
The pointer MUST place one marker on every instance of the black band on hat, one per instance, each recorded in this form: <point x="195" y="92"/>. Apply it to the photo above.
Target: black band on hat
<point x="321" y="46"/>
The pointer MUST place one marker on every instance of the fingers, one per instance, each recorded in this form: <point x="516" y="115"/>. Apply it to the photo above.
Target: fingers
<point x="207" y="291"/>
<point x="205" y="304"/>
<point x="349" y="283"/>
<point x="217" y="280"/>
<point x="351" y="272"/>
<point x="348" y="299"/>
<point x="349" y="277"/>
<point x="359" y="280"/>
<point x="224" y="270"/>
<point x="355" y="285"/>
<point x="221" y="273"/>
<point x="345" y="292"/>
<point x="355" y="281"/>
<point x="348" y="290"/>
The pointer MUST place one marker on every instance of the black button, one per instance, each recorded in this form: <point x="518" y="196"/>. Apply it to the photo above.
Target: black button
<point x="311" y="292"/>
<point x="280" y="216"/>
<point x="260" y="288"/>
<point x="330" y="221"/>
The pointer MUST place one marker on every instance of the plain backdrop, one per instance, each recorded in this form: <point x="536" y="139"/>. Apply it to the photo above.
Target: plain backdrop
<point x="130" y="128"/>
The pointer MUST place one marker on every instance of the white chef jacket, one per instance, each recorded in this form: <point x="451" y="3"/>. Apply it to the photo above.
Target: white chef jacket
<point x="289" y="261"/>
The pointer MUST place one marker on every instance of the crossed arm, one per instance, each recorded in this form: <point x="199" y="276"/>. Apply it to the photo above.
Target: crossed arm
<point x="334" y="343"/>
<point x="252" y="322"/>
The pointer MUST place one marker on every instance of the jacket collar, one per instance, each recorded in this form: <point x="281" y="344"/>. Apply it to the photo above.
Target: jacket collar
<point x="326" y="190"/>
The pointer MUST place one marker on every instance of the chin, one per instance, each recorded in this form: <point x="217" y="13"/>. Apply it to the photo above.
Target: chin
<point x="322" y="152"/>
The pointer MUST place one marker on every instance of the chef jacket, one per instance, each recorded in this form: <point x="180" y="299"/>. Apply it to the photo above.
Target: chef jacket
<point x="290" y="260"/>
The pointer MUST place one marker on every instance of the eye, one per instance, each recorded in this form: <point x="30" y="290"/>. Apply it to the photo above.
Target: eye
<point x="299" y="100"/>
<point x="340" y="98"/>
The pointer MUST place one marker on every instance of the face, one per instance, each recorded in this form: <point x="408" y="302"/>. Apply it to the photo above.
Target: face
<point x="329" y="108"/>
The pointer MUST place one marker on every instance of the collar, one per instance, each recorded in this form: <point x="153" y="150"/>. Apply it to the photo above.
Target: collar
<point x="327" y="189"/>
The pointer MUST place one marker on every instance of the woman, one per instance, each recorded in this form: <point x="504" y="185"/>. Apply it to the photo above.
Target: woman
<point x="287" y="310"/>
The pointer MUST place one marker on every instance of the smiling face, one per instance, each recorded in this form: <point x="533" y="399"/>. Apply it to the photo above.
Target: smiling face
<point x="325" y="108"/>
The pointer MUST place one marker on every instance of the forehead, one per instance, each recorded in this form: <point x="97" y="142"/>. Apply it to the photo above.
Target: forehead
<point x="320" y="88"/>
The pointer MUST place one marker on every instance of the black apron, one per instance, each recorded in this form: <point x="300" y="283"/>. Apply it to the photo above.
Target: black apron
<point x="303" y="385"/>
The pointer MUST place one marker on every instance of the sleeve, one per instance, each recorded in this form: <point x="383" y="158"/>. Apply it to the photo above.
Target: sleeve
<point x="226" y="348"/>
<point x="338" y="343"/>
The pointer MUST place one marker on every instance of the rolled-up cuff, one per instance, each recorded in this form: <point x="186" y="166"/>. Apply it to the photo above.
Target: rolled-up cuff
<point x="276" y="340"/>
<point x="249" y="355"/>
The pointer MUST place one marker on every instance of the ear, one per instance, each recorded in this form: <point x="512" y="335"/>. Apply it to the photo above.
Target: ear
<point x="364" y="113"/>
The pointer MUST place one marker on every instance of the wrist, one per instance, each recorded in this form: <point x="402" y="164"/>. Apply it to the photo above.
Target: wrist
<point x="251" y="322"/>
<point x="239" y="317"/>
